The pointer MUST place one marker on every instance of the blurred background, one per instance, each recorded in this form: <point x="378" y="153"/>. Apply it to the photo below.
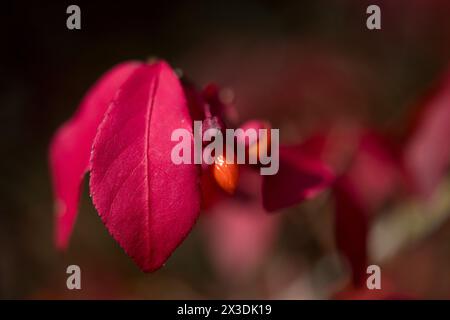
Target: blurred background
<point x="305" y="66"/>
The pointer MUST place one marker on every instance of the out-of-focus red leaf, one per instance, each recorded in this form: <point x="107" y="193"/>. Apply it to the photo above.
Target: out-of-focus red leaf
<point x="374" y="171"/>
<point x="70" y="148"/>
<point x="253" y="125"/>
<point x="336" y="145"/>
<point x="254" y="146"/>
<point x="148" y="203"/>
<point x="351" y="227"/>
<point x="369" y="175"/>
<point x="427" y="153"/>
<point x="315" y="145"/>
<point x="365" y="156"/>
<point x="240" y="236"/>
<point x="299" y="178"/>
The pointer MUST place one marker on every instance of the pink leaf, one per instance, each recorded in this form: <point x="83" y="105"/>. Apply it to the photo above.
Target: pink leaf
<point x="240" y="236"/>
<point x="427" y="154"/>
<point x="299" y="178"/>
<point x="374" y="171"/>
<point x="365" y="156"/>
<point x="148" y="203"/>
<point x="70" y="148"/>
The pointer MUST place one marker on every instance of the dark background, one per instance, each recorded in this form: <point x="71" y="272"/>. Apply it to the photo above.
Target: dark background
<point x="250" y="46"/>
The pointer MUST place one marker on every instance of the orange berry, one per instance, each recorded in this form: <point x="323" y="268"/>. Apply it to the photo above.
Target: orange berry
<point x="226" y="174"/>
<point x="254" y="147"/>
<point x="261" y="146"/>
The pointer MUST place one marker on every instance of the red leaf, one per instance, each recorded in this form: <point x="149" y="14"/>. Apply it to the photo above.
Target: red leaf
<point x="365" y="156"/>
<point x="351" y="227"/>
<point x="148" y="203"/>
<point x="240" y="237"/>
<point x="374" y="171"/>
<point x="427" y="154"/>
<point x="70" y="148"/>
<point x="299" y="178"/>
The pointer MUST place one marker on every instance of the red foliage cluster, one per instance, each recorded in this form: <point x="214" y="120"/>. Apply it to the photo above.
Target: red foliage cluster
<point x="121" y="134"/>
